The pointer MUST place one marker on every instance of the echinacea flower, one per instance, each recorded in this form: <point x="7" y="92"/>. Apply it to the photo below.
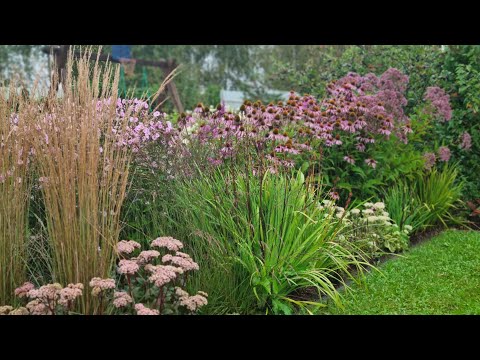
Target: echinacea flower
<point x="370" y="162"/>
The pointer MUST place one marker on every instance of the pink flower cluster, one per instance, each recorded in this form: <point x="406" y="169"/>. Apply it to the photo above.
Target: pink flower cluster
<point x="46" y="299"/>
<point x="121" y="299"/>
<point x="192" y="303"/>
<point x="167" y="242"/>
<point x="128" y="267"/>
<point x="466" y="143"/>
<point x="100" y="286"/>
<point x="143" y="310"/>
<point x="430" y="160"/>
<point x="362" y="109"/>
<point x="444" y="153"/>
<point x="163" y="274"/>
<point x="23" y="290"/>
<point x="184" y="261"/>
<point x="440" y="102"/>
<point x="127" y="247"/>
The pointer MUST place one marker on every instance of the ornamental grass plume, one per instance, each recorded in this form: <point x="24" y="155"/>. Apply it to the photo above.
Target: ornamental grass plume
<point x="14" y="188"/>
<point x="79" y="148"/>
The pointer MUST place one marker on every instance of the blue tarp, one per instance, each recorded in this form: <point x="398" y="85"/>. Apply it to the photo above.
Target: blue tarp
<point x="121" y="52"/>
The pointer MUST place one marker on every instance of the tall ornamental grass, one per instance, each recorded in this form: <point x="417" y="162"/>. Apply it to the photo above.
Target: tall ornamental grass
<point x="14" y="190"/>
<point x="83" y="170"/>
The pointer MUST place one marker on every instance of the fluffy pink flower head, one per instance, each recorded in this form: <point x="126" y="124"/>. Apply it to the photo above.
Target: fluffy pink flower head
<point x="99" y="285"/>
<point x="121" y="299"/>
<point x="444" y="153"/>
<point x="466" y="141"/>
<point x="193" y="303"/>
<point x="143" y="310"/>
<point x="69" y="294"/>
<point x="440" y="102"/>
<point x="127" y="247"/>
<point x="430" y="159"/>
<point x="167" y="242"/>
<point x="182" y="260"/>
<point x="162" y="274"/>
<point x="37" y="307"/>
<point x="47" y="293"/>
<point x="23" y="290"/>
<point x="128" y="267"/>
<point x="147" y="255"/>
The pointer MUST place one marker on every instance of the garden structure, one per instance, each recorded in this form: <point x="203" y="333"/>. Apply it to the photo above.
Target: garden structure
<point x="60" y="52"/>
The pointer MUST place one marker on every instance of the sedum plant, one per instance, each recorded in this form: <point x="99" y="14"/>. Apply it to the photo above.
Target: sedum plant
<point x="373" y="228"/>
<point x="146" y="278"/>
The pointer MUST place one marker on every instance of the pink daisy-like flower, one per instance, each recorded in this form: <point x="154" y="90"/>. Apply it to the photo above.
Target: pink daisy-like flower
<point x="334" y="195"/>
<point x="349" y="159"/>
<point x="370" y="162"/>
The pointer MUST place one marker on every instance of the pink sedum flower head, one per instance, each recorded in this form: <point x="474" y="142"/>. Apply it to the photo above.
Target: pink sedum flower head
<point x="100" y="285"/>
<point x="128" y="267"/>
<point x="121" y="299"/>
<point x="23" y="290"/>
<point x="163" y="274"/>
<point x="127" y="247"/>
<point x="37" y="307"/>
<point x="147" y="255"/>
<point x="69" y="294"/>
<point x="167" y="242"/>
<point x="143" y="310"/>
<point x="182" y="260"/>
<point x="193" y="303"/>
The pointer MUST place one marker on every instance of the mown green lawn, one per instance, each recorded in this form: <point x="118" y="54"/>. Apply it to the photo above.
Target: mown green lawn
<point x="441" y="276"/>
